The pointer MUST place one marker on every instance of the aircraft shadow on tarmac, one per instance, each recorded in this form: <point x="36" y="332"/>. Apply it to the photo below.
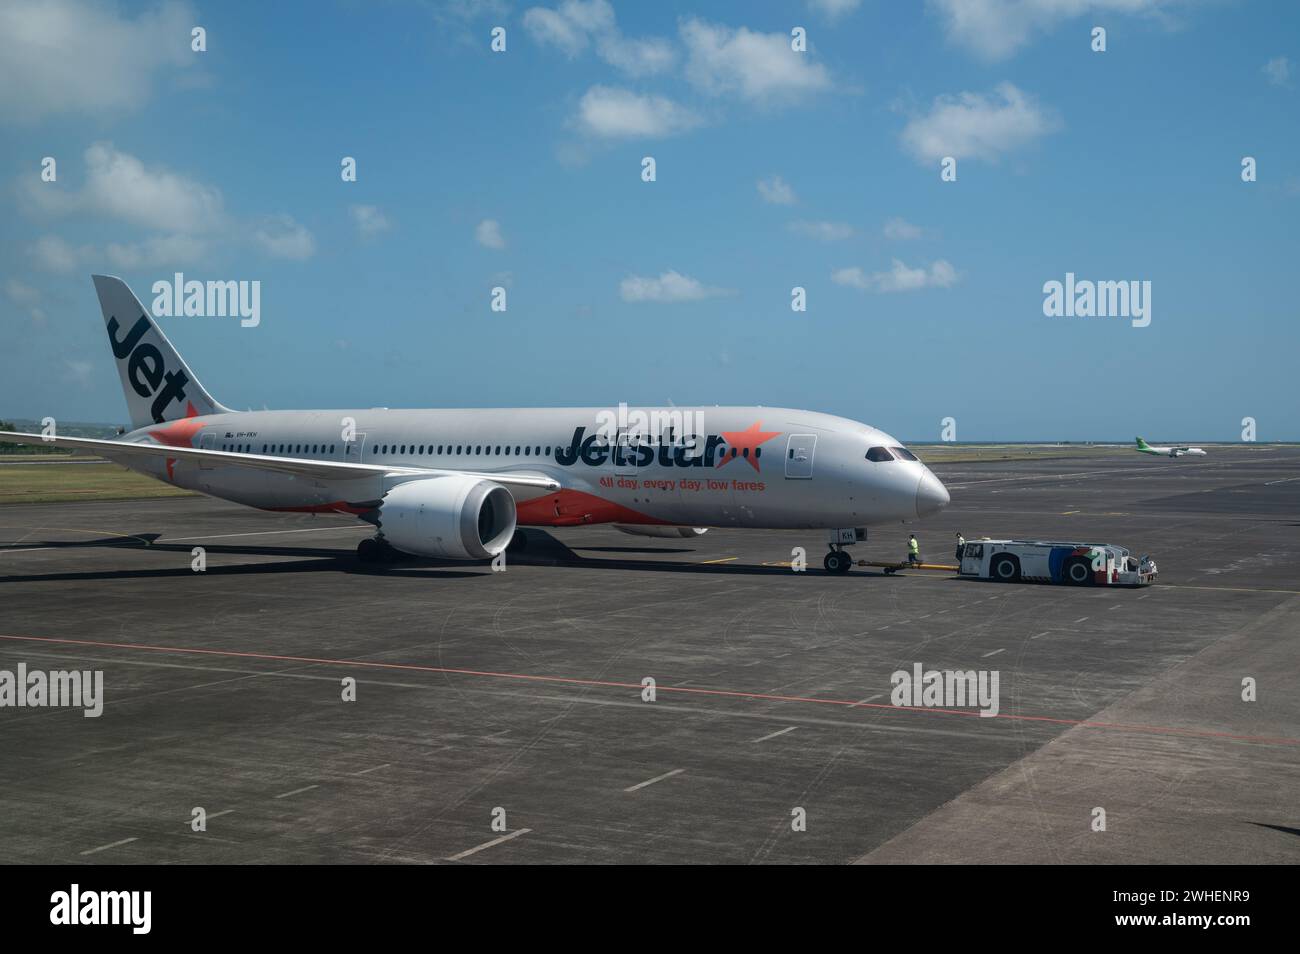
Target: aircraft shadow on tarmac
<point x="542" y="550"/>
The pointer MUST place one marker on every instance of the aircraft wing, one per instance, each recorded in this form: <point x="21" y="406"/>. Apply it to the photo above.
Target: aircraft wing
<point x="319" y="469"/>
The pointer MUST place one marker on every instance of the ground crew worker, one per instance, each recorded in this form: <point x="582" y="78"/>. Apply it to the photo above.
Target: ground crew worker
<point x="961" y="542"/>
<point x="913" y="550"/>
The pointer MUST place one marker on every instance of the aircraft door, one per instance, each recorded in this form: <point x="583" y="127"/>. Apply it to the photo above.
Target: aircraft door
<point x="207" y="442"/>
<point x="799" y="456"/>
<point x="355" y="449"/>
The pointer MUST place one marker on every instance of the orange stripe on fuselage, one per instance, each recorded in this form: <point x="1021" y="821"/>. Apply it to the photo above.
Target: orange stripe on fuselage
<point x="566" y="508"/>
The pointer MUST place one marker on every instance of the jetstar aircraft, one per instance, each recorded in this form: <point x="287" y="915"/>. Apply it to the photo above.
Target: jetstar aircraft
<point x="455" y="484"/>
<point x="1144" y="448"/>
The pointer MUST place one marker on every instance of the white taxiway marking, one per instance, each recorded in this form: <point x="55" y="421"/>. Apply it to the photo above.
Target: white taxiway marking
<point x="1040" y="634"/>
<point x="222" y="536"/>
<point x="773" y="735"/>
<point x="994" y="653"/>
<point x="862" y="702"/>
<point x="259" y="533"/>
<point x="124" y="841"/>
<point x="1081" y="619"/>
<point x="373" y="768"/>
<point x="1269" y="483"/>
<point x="651" y="781"/>
<point x="487" y="844"/>
<point x="228" y="811"/>
<point x="296" y="791"/>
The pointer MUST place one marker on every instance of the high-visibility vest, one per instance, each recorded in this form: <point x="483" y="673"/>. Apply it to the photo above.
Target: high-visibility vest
<point x="913" y="546"/>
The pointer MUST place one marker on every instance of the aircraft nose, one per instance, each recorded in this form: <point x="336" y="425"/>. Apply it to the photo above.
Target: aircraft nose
<point x="931" y="495"/>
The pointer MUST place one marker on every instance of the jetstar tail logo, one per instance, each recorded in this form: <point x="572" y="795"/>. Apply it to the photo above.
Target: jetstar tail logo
<point x="145" y="369"/>
<point x="712" y="450"/>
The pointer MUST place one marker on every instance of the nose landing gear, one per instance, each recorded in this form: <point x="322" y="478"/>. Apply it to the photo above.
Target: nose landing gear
<point x="838" y="561"/>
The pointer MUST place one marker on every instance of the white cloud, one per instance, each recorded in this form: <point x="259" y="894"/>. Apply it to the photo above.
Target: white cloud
<point x="1278" y="71"/>
<point x="27" y="297"/>
<point x="897" y="230"/>
<point x="671" y="286"/>
<point x="21" y="294"/>
<point x="552" y="28"/>
<point x="79" y="371"/>
<point x="575" y="25"/>
<point x="994" y="29"/>
<point x="369" y="219"/>
<point x="185" y="218"/>
<point x="978" y="125"/>
<point x="281" y="237"/>
<point x="119" y="186"/>
<point x="58" y="255"/>
<point x="55" y="255"/>
<point x="488" y="234"/>
<point x="759" y="67"/>
<point x="834" y="9"/>
<point x="643" y="57"/>
<point x="157" y="250"/>
<point x="613" y="113"/>
<point x="776" y="191"/>
<point x="823" y="231"/>
<point x="84" y="56"/>
<point x="899" y="278"/>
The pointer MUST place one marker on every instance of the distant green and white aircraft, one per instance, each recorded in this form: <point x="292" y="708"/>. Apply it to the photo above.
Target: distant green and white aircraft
<point x="1144" y="448"/>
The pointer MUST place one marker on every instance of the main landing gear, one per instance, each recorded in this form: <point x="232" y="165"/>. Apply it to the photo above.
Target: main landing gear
<point x="375" y="550"/>
<point x="838" y="561"/>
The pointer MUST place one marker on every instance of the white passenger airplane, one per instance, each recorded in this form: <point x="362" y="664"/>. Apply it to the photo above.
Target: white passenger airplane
<point x="1144" y="448"/>
<point x="455" y="484"/>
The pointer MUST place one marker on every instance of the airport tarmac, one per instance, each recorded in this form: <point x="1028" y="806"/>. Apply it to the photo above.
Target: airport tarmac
<point x="521" y="692"/>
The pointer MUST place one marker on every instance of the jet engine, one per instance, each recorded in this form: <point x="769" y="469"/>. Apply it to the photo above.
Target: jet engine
<point x="452" y="518"/>
<point x="653" y="531"/>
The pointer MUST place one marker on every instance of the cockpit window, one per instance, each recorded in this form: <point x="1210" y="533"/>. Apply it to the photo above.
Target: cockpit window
<point x="904" y="453"/>
<point x="879" y="454"/>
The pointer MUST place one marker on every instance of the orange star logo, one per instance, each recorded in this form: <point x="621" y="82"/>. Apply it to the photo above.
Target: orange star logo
<point x="178" y="433"/>
<point x="738" y="442"/>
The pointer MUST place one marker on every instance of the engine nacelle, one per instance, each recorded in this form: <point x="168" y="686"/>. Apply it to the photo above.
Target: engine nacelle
<point x="452" y="518"/>
<point x="638" y="530"/>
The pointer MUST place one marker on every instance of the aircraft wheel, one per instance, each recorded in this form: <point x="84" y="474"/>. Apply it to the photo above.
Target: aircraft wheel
<point x="837" y="561"/>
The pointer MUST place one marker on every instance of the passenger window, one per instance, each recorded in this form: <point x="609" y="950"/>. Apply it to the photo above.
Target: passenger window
<point x="879" y="455"/>
<point x="904" y="453"/>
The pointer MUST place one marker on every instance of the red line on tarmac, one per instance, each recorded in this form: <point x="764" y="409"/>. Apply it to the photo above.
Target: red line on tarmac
<point x="608" y="684"/>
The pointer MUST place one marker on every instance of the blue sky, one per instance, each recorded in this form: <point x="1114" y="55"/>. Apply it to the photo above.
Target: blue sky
<point x="523" y="169"/>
